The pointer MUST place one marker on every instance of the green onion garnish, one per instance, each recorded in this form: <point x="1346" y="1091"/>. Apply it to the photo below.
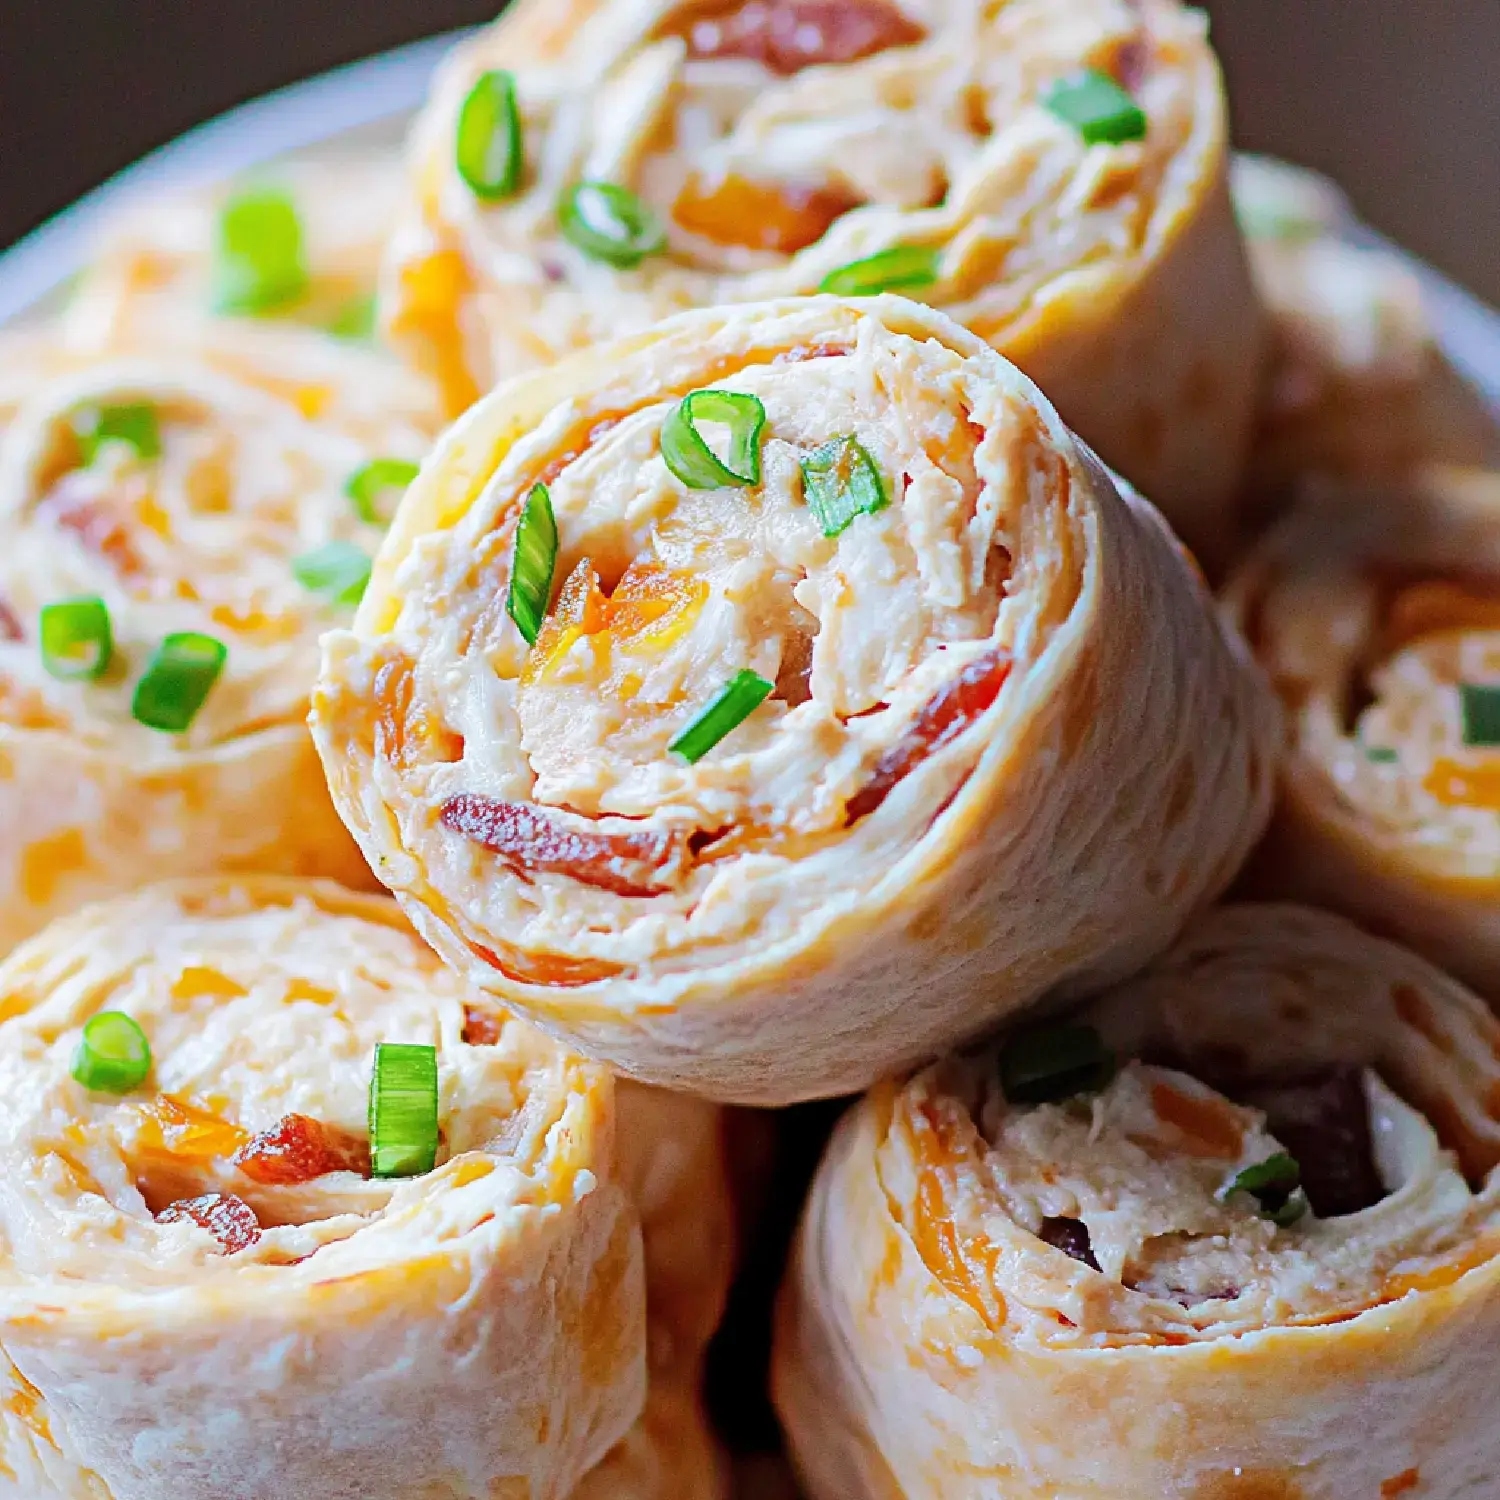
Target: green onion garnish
<point x="355" y="319"/>
<point x="113" y="1055"/>
<point x="902" y="267"/>
<point x="1276" y="1186"/>
<point x="403" y="1110"/>
<point x="1054" y="1063"/>
<point x="693" y="461"/>
<point x="532" y="564"/>
<point x="488" y="146"/>
<point x="133" y="424"/>
<point x="76" y="638"/>
<point x="1381" y="755"/>
<point x="339" y="571"/>
<point x="735" y="702"/>
<point x="609" y="223"/>
<point x="839" y="482"/>
<point x="177" y="681"/>
<point x="1481" y="713"/>
<point x="381" y="476"/>
<point x="1097" y="108"/>
<point x="261" y="264"/>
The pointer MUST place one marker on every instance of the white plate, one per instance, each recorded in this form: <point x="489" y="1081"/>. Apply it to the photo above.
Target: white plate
<point x="370" y="102"/>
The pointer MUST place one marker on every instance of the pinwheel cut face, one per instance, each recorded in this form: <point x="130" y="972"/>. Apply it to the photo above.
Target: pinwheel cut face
<point x="555" y="773"/>
<point x="1404" y="713"/>
<point x="756" y="130"/>
<point x="249" y="1137"/>
<point x="192" y="522"/>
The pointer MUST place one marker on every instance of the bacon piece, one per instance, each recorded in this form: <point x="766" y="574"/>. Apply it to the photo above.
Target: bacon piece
<point x="482" y="1028"/>
<point x="297" y="1149"/>
<point x="784" y="217"/>
<point x="943" y="717"/>
<point x="1071" y="1236"/>
<point x="544" y="968"/>
<point x="101" y="531"/>
<point x="10" y="625"/>
<point x="1324" y="1121"/>
<point x="230" y="1220"/>
<point x="628" y="864"/>
<point x="789" y="35"/>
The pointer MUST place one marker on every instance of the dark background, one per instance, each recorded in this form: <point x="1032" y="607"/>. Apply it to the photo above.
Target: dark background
<point x="1397" y="98"/>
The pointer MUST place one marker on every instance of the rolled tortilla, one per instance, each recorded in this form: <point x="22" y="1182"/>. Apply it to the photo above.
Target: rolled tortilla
<point x="204" y="1284"/>
<point x="1007" y="749"/>
<point x="778" y="143"/>
<point x="164" y="253"/>
<point x="1058" y="1300"/>
<point x="1357" y="382"/>
<point x="1375" y="609"/>
<point x="203" y="536"/>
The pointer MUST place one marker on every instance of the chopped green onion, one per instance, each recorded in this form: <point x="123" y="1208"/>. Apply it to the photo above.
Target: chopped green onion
<point x="339" y="570"/>
<point x="403" y="1110"/>
<point x="532" y="564"/>
<point x="355" y="319"/>
<point x="901" y="268"/>
<point x="261" y="264"/>
<point x="1481" y="713"/>
<point x="177" y="681"/>
<point x="381" y="476"/>
<point x="1276" y="1186"/>
<point x="488" y="146"/>
<point x="734" y="703"/>
<point x="839" y="482"/>
<point x="76" y="638"/>
<point x="1054" y="1063"/>
<point x="609" y="223"/>
<point x="133" y="424"/>
<point x="1381" y="755"/>
<point x="1097" y="108"/>
<point x="693" y="461"/>
<point x="113" y="1055"/>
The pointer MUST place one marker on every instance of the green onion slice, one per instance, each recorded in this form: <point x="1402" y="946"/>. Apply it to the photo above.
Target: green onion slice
<point x="690" y="458"/>
<point x="113" y="1055"/>
<point x="1276" y="1186"/>
<point x="609" y="223"/>
<point x="1097" y="108"/>
<point x="839" y="482"/>
<point x="261" y="261"/>
<point x="1481" y="713"/>
<point x="76" y="638"/>
<point x="488" y="149"/>
<point x="1053" y="1063"/>
<point x="355" y="319"/>
<point x="1381" y="755"/>
<point x="901" y="268"/>
<point x="734" y="703"/>
<point x="381" y="476"/>
<point x="403" y="1110"/>
<point x="177" y="681"/>
<point x="339" y="571"/>
<point x="133" y="423"/>
<point x="532" y="564"/>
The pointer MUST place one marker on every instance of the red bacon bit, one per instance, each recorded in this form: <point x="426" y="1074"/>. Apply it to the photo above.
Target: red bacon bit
<point x="482" y="1028"/>
<point x="10" y="625"/>
<point x="943" y="718"/>
<point x="551" y="969"/>
<point x="230" y="1220"/>
<point x="297" y="1149"/>
<point x="786" y="36"/>
<point x="628" y="864"/>
<point x="100" y="530"/>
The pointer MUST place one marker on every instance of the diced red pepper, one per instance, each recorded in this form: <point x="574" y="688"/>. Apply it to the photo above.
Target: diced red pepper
<point x="482" y="1028"/>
